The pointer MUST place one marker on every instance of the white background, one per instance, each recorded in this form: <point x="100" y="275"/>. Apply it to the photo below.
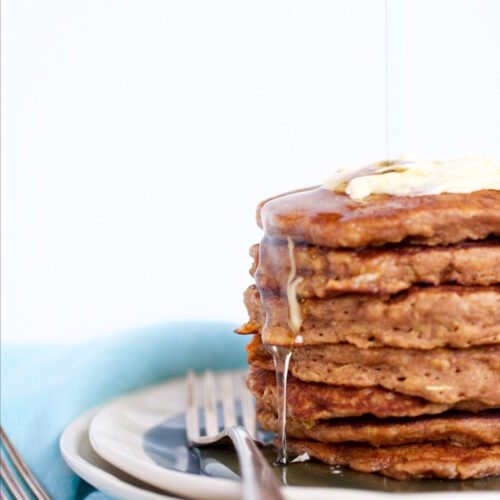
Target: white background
<point x="138" y="137"/>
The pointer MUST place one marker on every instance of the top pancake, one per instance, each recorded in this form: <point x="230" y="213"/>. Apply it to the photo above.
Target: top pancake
<point x="322" y="217"/>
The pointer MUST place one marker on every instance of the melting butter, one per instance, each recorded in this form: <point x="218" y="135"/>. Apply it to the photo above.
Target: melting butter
<point x="439" y="387"/>
<point x="301" y="458"/>
<point x="416" y="178"/>
<point x="295" y="314"/>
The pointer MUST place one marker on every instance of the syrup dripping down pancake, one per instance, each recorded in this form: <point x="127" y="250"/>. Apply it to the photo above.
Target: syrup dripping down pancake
<point x="310" y="401"/>
<point x="439" y="375"/>
<point x="421" y="318"/>
<point x="328" y="272"/>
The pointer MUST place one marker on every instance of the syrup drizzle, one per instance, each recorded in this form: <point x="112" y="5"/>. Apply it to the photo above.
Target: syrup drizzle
<point x="282" y="354"/>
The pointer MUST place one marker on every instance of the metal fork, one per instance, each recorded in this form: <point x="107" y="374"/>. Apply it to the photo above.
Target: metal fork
<point x="11" y="480"/>
<point x="259" y="481"/>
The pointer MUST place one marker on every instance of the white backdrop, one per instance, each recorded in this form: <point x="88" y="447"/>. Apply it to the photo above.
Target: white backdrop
<point x="139" y="135"/>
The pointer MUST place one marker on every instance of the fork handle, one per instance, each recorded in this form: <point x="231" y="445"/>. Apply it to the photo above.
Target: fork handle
<point x="259" y="481"/>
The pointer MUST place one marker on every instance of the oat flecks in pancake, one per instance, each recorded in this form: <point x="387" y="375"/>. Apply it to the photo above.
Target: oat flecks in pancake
<point x="322" y="217"/>
<point x="327" y="272"/>
<point x="440" y="460"/>
<point x="309" y="402"/>
<point x="459" y="428"/>
<point x="440" y="375"/>
<point x="419" y="318"/>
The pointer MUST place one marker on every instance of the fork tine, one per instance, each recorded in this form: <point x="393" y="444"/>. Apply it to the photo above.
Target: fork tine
<point x="210" y="404"/>
<point x="228" y="407"/>
<point x="247" y="409"/>
<point x="192" y="420"/>
<point x="3" y="492"/>
<point x="22" y="468"/>
<point x="11" y="481"/>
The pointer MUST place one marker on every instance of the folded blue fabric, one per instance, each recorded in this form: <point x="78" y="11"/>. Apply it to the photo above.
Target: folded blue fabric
<point x="44" y="387"/>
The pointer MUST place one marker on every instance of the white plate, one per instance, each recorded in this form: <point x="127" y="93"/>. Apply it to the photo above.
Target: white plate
<point x="79" y="455"/>
<point x="118" y="431"/>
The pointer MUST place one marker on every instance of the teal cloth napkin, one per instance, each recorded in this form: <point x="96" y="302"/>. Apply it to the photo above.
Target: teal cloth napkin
<point x="44" y="387"/>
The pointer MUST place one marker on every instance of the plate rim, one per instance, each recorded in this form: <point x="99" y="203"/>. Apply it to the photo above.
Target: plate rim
<point x="97" y="477"/>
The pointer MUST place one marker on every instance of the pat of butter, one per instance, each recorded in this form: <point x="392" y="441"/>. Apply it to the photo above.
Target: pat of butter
<point x="295" y="314"/>
<point x="301" y="458"/>
<point x="403" y="178"/>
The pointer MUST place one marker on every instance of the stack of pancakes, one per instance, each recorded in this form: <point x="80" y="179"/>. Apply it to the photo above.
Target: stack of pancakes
<point x="391" y="307"/>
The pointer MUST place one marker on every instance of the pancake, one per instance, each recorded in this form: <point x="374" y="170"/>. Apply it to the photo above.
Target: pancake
<point x="417" y="319"/>
<point x="322" y="217"/>
<point x="328" y="272"/>
<point x="425" y="460"/>
<point x="310" y="402"/>
<point x="438" y="375"/>
<point x="458" y="428"/>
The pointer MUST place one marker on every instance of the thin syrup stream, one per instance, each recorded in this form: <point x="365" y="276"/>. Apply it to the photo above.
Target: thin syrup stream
<point x="281" y="356"/>
<point x="386" y="50"/>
